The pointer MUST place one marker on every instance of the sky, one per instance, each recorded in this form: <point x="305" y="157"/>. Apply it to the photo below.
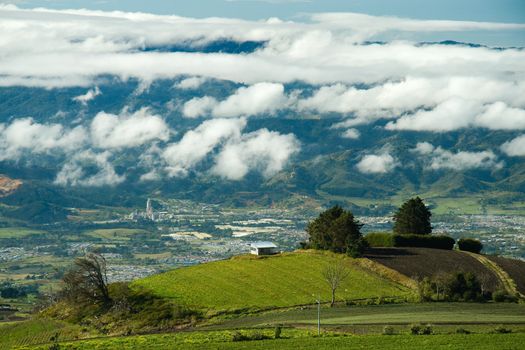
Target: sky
<point x="507" y="11"/>
<point x="331" y="49"/>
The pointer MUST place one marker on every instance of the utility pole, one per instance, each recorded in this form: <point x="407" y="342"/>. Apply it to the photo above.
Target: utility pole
<point x="318" y="315"/>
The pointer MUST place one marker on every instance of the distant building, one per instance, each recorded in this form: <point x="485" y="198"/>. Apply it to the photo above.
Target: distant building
<point x="263" y="248"/>
<point x="149" y="210"/>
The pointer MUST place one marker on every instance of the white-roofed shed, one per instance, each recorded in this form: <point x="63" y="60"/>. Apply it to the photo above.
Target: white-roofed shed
<point x="263" y="248"/>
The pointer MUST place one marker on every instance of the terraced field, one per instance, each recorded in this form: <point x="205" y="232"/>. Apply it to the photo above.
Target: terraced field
<point x="266" y="282"/>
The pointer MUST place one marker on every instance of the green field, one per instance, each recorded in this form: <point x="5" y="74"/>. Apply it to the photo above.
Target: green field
<point x="24" y="333"/>
<point x="383" y="342"/>
<point x="278" y="281"/>
<point x="16" y="232"/>
<point x="340" y="326"/>
<point x="117" y="234"/>
<point x="451" y="314"/>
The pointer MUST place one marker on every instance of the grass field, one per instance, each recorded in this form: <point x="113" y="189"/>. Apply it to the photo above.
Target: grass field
<point x="453" y="314"/>
<point x="383" y="342"/>
<point x="299" y="328"/>
<point x="278" y="281"/>
<point x="15" y="232"/>
<point x="15" y="334"/>
<point x="115" y="234"/>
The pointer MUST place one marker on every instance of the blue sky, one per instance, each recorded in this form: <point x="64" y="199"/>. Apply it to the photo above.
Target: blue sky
<point x="509" y="11"/>
<point x="473" y="10"/>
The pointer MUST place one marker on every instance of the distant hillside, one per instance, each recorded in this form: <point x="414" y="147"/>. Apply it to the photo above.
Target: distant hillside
<point x="284" y="280"/>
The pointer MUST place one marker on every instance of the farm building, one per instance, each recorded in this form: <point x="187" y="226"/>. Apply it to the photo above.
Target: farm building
<point x="263" y="248"/>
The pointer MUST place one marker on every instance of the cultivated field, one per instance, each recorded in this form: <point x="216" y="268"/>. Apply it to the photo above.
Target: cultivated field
<point x="514" y="268"/>
<point x="424" y="262"/>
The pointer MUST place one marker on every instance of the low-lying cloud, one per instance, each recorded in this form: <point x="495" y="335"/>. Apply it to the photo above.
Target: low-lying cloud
<point x="439" y="158"/>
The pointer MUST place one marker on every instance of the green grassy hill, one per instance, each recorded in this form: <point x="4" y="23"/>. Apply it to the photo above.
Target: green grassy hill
<point x="266" y="282"/>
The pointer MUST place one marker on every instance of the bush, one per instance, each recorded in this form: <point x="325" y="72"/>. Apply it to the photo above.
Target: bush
<point x="238" y="336"/>
<point x="415" y="329"/>
<point x="421" y="329"/>
<point x="426" y="330"/>
<point x="421" y="241"/>
<point x="388" y="330"/>
<point x="462" y="331"/>
<point x="380" y="239"/>
<point x="502" y="330"/>
<point x="470" y="245"/>
<point x="501" y="296"/>
<point x="277" y="332"/>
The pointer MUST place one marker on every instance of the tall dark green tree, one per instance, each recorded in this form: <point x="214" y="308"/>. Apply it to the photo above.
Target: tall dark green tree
<point x="336" y="230"/>
<point x="413" y="218"/>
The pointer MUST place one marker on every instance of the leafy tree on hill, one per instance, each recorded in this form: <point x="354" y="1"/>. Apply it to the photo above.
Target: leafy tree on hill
<point x="413" y="218"/>
<point x="336" y="230"/>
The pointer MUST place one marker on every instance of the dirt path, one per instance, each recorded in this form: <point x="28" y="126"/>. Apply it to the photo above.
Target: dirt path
<point x="507" y="282"/>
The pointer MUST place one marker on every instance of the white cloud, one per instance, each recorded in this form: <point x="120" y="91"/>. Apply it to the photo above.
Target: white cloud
<point x="71" y="47"/>
<point x="196" y="144"/>
<point x="246" y="101"/>
<point x="262" y="150"/>
<point x="424" y="148"/>
<point x="26" y="135"/>
<point x="459" y="113"/>
<point x="439" y="158"/>
<point x="352" y="134"/>
<point x="88" y="96"/>
<point x="377" y="163"/>
<point x="127" y="130"/>
<point x="192" y="83"/>
<point x="199" y="107"/>
<point x="450" y="115"/>
<point x="499" y="116"/>
<point x="73" y="173"/>
<point x="515" y="147"/>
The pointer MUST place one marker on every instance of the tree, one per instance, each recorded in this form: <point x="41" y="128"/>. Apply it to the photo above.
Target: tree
<point x="334" y="274"/>
<point x="413" y="218"/>
<point x="87" y="281"/>
<point x="336" y="230"/>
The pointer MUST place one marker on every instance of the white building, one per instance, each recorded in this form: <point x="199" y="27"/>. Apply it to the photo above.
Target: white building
<point x="263" y="248"/>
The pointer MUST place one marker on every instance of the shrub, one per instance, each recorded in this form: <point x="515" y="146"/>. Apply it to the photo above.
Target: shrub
<point x="502" y="330"/>
<point x="462" y="331"/>
<point x="277" y="332"/>
<point x="238" y="336"/>
<point x="470" y="245"/>
<point x="426" y="330"/>
<point x="421" y="241"/>
<point x="380" y="239"/>
<point x="388" y="330"/>
<point x="501" y="296"/>
<point x="415" y="329"/>
<point x="421" y="329"/>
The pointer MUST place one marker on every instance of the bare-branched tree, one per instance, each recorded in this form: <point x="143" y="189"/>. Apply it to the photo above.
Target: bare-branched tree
<point x="334" y="274"/>
<point x="87" y="281"/>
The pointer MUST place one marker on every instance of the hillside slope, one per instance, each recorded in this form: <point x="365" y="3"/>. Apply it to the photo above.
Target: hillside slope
<point x="264" y="282"/>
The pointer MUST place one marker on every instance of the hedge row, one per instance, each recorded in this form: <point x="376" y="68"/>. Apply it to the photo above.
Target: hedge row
<point x="422" y="241"/>
<point x="470" y="245"/>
